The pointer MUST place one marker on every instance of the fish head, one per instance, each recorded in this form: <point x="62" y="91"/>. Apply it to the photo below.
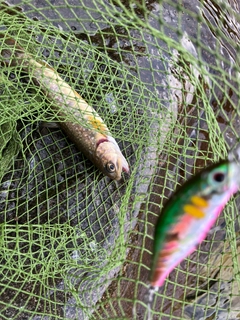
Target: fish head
<point x="221" y="178"/>
<point x="110" y="159"/>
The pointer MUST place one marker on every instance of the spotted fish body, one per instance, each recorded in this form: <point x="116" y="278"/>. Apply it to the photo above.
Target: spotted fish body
<point x="90" y="134"/>
<point x="189" y="214"/>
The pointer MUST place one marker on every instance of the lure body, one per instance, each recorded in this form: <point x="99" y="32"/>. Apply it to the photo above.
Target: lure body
<point x="92" y="136"/>
<point x="189" y="214"/>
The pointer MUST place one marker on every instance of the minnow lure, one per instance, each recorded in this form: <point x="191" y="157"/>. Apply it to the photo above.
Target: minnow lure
<point x="94" y="138"/>
<point x="190" y="213"/>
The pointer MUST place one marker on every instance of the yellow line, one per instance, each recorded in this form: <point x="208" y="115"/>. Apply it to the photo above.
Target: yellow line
<point x="199" y="202"/>
<point x="193" y="211"/>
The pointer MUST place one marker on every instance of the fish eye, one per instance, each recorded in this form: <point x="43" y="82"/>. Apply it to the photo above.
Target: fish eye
<point x="110" y="167"/>
<point x="218" y="176"/>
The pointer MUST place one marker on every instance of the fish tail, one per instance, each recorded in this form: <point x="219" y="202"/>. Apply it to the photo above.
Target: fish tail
<point x="13" y="54"/>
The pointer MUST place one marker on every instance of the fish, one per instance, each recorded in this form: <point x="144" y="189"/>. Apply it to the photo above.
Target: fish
<point x="91" y="135"/>
<point x="189" y="214"/>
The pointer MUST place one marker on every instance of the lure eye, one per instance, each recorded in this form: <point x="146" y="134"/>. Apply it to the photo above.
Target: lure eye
<point x="219" y="177"/>
<point x="110" y="167"/>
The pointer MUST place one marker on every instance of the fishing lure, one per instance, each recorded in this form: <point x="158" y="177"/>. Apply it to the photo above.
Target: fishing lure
<point x="188" y="216"/>
<point x="190" y="213"/>
<point x="92" y="137"/>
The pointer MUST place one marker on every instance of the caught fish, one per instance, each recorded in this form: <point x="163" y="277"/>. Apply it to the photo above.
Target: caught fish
<point x="92" y="137"/>
<point x="190" y="213"/>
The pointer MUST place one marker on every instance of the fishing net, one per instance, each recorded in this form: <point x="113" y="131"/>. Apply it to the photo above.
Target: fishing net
<point x="164" y="76"/>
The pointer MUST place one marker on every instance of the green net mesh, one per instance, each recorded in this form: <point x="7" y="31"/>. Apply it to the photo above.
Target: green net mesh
<point x="164" y="76"/>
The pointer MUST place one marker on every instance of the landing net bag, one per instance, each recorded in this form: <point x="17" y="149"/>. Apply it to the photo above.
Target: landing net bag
<point x="164" y="77"/>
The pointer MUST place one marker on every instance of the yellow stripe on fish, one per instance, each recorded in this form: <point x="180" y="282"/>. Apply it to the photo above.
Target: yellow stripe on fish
<point x="97" y="124"/>
<point x="199" y="202"/>
<point x="193" y="211"/>
<point x="195" y="208"/>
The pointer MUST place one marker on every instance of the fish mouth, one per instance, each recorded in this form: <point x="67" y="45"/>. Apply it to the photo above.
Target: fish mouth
<point x="125" y="167"/>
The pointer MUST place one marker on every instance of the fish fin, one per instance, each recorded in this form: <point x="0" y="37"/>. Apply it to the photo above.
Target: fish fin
<point x="151" y="293"/>
<point x="46" y="64"/>
<point x="52" y="125"/>
<point x="148" y="299"/>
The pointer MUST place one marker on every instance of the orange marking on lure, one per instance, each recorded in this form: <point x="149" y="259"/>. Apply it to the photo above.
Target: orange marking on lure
<point x="183" y="224"/>
<point x="199" y="202"/>
<point x="193" y="211"/>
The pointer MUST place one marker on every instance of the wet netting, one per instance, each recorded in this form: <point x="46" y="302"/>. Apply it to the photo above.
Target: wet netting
<point x="164" y="77"/>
